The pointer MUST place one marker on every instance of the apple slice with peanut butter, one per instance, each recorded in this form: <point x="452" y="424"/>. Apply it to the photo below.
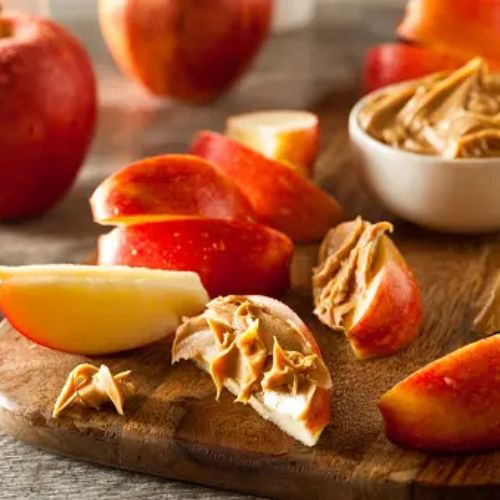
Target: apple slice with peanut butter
<point x="263" y="353"/>
<point x="363" y="286"/>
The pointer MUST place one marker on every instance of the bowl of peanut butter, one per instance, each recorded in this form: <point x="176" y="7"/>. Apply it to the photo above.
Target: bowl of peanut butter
<point x="429" y="149"/>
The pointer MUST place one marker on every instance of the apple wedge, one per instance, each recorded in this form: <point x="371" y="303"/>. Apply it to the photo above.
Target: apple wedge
<point x="280" y="197"/>
<point x="229" y="256"/>
<point x="97" y="310"/>
<point x="263" y="353"/>
<point x="289" y="137"/>
<point x="168" y="186"/>
<point x="363" y="286"/>
<point x="450" y="405"/>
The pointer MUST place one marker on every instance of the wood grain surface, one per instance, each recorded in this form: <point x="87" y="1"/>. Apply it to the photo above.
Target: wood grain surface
<point x="174" y="428"/>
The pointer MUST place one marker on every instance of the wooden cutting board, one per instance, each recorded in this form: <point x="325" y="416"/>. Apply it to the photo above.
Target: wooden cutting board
<point x="174" y="427"/>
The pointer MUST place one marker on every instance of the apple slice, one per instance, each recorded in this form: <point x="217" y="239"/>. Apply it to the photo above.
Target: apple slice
<point x="363" y="286"/>
<point x="390" y="63"/>
<point x="263" y="353"/>
<point x="229" y="256"/>
<point x="168" y="186"/>
<point x="450" y="405"/>
<point x="289" y="137"/>
<point x="97" y="310"/>
<point x="280" y="197"/>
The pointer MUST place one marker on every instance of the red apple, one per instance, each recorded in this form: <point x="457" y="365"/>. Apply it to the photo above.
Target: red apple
<point x="165" y="187"/>
<point x="280" y="197"/>
<point x="390" y="63"/>
<point x="192" y="50"/>
<point x="229" y="256"/>
<point x="450" y="405"/>
<point x="47" y="111"/>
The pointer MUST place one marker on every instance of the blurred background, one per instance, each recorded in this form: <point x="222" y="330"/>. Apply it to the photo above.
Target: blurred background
<point x="296" y="69"/>
<point x="72" y="8"/>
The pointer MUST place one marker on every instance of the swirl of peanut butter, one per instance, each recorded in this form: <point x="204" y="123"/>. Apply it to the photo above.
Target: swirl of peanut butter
<point x="452" y="115"/>
<point x="345" y="268"/>
<point x="90" y="386"/>
<point x="242" y="341"/>
<point x="487" y="322"/>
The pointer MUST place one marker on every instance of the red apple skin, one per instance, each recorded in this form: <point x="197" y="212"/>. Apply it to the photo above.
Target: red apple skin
<point x="320" y="411"/>
<point x="48" y="112"/>
<point x="191" y="50"/>
<point x="393" y="318"/>
<point x="231" y="257"/>
<point x="280" y="197"/>
<point x="168" y="186"/>
<point x="450" y="405"/>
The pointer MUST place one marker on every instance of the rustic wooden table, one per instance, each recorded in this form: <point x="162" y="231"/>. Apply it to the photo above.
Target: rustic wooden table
<point x="294" y="71"/>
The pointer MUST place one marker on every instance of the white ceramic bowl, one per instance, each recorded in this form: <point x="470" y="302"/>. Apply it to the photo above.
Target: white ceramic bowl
<point x="456" y="195"/>
<point x="292" y="15"/>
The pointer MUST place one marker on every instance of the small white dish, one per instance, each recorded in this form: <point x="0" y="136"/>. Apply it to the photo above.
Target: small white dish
<point x="449" y="195"/>
<point x="290" y="15"/>
<point x="33" y="7"/>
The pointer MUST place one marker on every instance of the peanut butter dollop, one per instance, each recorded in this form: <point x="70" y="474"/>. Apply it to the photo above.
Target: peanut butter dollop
<point x="244" y="343"/>
<point x="487" y="321"/>
<point x="88" y="385"/>
<point x="453" y="115"/>
<point x="347" y="259"/>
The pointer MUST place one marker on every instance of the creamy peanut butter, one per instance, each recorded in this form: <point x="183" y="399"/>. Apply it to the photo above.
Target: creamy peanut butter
<point x="346" y="266"/>
<point x="243" y="344"/>
<point x="90" y="386"/>
<point x="453" y="115"/>
<point x="487" y="321"/>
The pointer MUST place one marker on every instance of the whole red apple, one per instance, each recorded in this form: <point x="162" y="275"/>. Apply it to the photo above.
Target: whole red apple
<point x="47" y="113"/>
<point x="192" y="50"/>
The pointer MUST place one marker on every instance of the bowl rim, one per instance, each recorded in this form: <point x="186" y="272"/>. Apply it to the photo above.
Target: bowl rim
<point x="471" y="162"/>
